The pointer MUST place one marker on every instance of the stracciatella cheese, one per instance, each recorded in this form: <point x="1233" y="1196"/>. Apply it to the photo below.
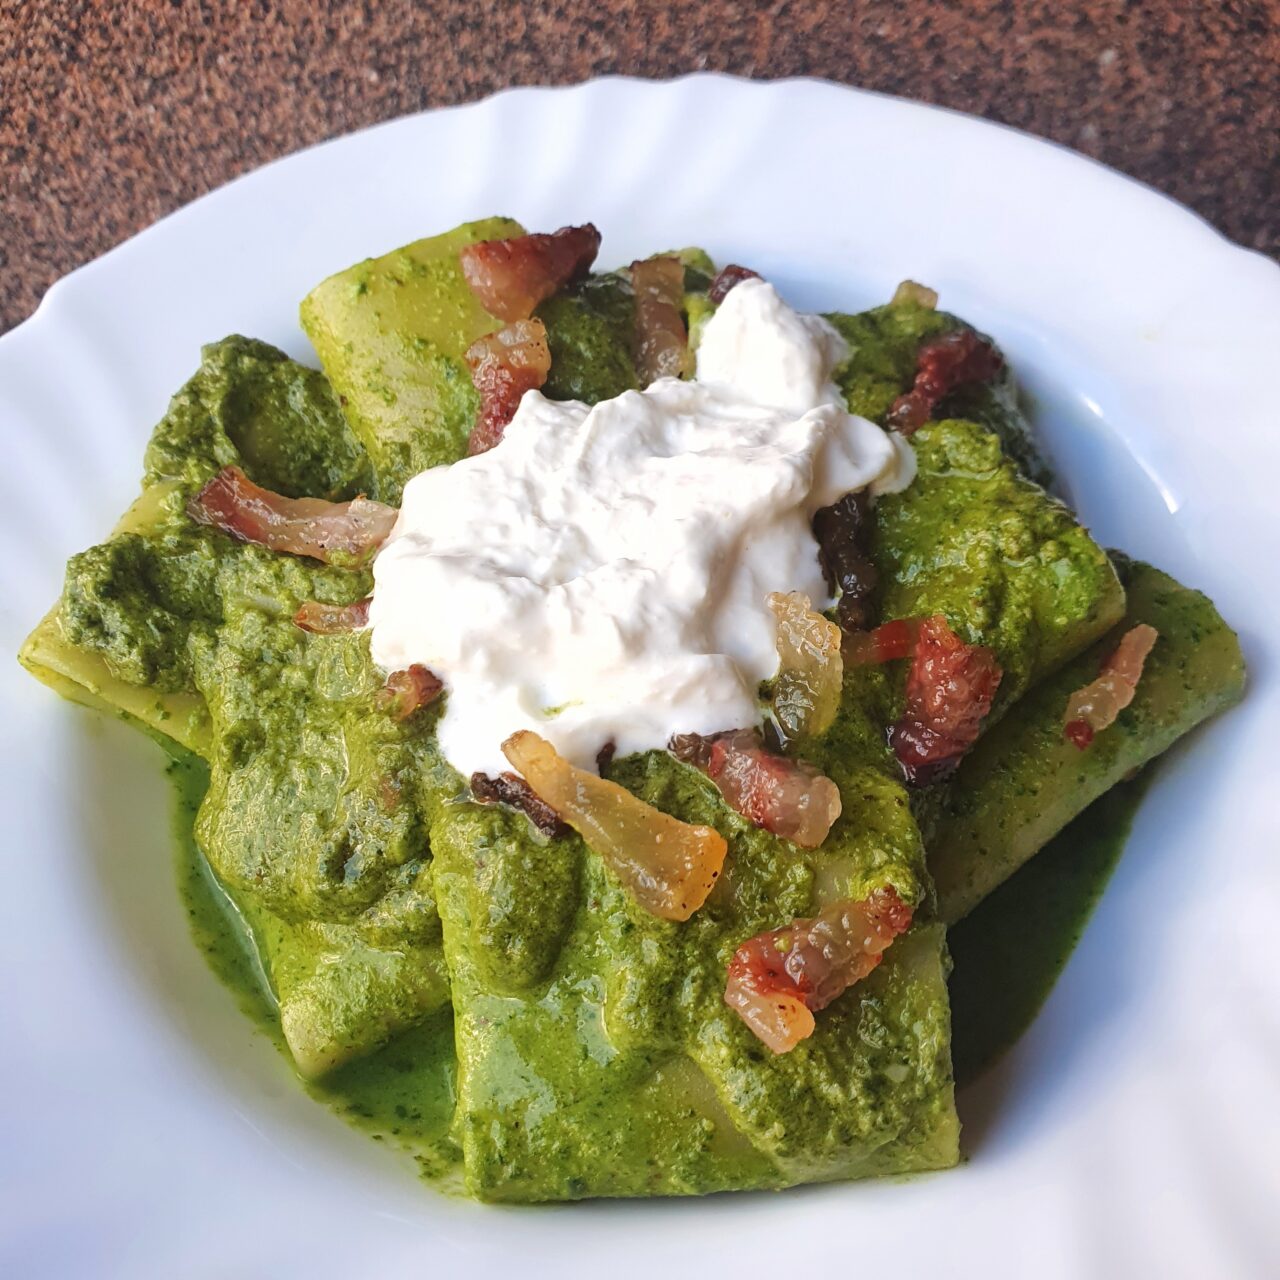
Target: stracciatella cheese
<point x="600" y="576"/>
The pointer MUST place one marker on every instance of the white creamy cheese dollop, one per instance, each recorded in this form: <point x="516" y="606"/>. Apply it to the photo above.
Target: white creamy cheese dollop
<point x="601" y="574"/>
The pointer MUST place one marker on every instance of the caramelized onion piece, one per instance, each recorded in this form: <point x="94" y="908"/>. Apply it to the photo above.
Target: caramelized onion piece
<point x="918" y="294"/>
<point x="333" y="619"/>
<point x="787" y="797"/>
<point x="943" y="364"/>
<point x="890" y="640"/>
<point x="669" y="866"/>
<point x="842" y="531"/>
<point x="1095" y="707"/>
<point x="510" y="277"/>
<point x="661" y="339"/>
<point x="778" y="980"/>
<point x="341" y="533"/>
<point x="406" y="691"/>
<point x="511" y="789"/>
<point x="726" y="278"/>
<point x="950" y="688"/>
<point x="806" y="693"/>
<point x="504" y="365"/>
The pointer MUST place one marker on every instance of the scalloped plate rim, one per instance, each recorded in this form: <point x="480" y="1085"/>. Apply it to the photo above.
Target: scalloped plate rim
<point x="256" y="1126"/>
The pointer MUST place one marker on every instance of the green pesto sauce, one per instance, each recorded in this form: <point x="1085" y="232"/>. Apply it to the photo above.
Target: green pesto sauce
<point x="589" y="327"/>
<point x="1010" y="950"/>
<point x="588" y="1049"/>
<point x="1006" y="563"/>
<point x="403" y="1094"/>
<point x="595" y="1054"/>
<point x="1007" y="955"/>
<point x="250" y="405"/>
<point x="883" y="345"/>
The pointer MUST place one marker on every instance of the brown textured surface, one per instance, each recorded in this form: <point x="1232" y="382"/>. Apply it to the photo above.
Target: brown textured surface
<point x="113" y="114"/>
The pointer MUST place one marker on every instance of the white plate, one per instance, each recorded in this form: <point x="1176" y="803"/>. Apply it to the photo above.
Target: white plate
<point x="145" y="1129"/>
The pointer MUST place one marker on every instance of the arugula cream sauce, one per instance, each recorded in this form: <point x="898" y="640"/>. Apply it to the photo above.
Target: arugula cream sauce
<point x="404" y="1093"/>
<point x="596" y="1049"/>
<point x="1007" y="955"/>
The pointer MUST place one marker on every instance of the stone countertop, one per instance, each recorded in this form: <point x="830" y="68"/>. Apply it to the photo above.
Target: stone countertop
<point x="113" y="115"/>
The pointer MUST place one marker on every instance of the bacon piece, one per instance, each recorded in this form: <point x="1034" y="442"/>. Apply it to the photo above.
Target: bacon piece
<point x="778" y="980"/>
<point x="950" y="688"/>
<point x="661" y="339"/>
<point x="406" y="691"/>
<point x="806" y="693"/>
<point x="787" y="797"/>
<point x="333" y="619"/>
<point x="919" y="295"/>
<point x="669" y="866"/>
<point x="510" y="277"/>
<point x="842" y="530"/>
<point x="389" y="788"/>
<point x="953" y="360"/>
<point x="1096" y="706"/>
<point x="511" y="789"/>
<point x="340" y="533"/>
<point x="504" y="365"/>
<point x="726" y="278"/>
<point x="884" y="643"/>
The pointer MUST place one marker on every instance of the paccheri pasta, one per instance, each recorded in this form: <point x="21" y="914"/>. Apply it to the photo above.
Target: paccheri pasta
<point x="681" y="955"/>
